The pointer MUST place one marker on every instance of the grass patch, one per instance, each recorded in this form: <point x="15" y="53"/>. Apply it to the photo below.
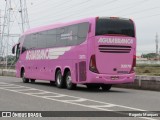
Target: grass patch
<point x="147" y="65"/>
<point x="148" y="70"/>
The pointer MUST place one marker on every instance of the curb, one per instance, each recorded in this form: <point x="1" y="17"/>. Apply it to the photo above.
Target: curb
<point x="144" y="83"/>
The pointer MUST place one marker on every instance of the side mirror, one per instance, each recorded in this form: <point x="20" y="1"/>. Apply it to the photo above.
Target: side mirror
<point x="13" y="50"/>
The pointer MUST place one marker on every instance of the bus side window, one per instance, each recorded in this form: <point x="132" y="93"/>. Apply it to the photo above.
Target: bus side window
<point x="82" y="32"/>
<point x="72" y="32"/>
<point x="33" y="41"/>
<point x="41" y="40"/>
<point x="50" y="38"/>
<point x="21" y="39"/>
<point x="23" y="49"/>
<point x="61" y="36"/>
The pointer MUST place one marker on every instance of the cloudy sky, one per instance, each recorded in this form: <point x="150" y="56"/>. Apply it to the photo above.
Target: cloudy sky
<point x="145" y="13"/>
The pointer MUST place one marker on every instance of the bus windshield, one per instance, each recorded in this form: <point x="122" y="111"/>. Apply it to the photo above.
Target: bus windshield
<point x="114" y="26"/>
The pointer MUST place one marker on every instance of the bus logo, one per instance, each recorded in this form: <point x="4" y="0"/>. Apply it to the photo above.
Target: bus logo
<point x="52" y="53"/>
<point x="66" y="36"/>
<point x="115" y="40"/>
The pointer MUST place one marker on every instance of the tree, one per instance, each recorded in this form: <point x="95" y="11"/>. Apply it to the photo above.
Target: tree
<point x="150" y="55"/>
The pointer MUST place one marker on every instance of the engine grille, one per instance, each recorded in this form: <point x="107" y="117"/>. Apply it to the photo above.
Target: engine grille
<point x="114" y="49"/>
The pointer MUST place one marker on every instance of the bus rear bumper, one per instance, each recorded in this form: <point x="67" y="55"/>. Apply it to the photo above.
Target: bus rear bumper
<point x="111" y="79"/>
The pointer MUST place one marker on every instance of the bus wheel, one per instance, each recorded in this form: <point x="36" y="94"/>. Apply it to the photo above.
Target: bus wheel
<point x="32" y="80"/>
<point x="93" y="86"/>
<point x="25" y="80"/>
<point x="68" y="79"/>
<point x="106" y="87"/>
<point x="59" y="79"/>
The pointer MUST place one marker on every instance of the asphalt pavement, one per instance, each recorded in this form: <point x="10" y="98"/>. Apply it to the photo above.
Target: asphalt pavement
<point x="42" y="96"/>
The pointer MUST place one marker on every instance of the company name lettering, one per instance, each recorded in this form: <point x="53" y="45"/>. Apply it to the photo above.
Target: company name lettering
<point x="37" y="54"/>
<point x="115" y="40"/>
<point x="50" y="53"/>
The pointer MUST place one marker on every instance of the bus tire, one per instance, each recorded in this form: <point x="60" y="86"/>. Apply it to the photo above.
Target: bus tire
<point x="25" y="80"/>
<point x="32" y="80"/>
<point x="59" y="79"/>
<point x="68" y="79"/>
<point x="93" y="86"/>
<point x="106" y="87"/>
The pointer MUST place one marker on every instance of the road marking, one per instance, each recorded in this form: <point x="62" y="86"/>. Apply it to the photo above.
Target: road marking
<point x="26" y="89"/>
<point x="8" y="87"/>
<point x="75" y="100"/>
<point x="109" y="105"/>
<point x="36" y="91"/>
<point x="5" y="85"/>
<point x="39" y="93"/>
<point x="55" y="96"/>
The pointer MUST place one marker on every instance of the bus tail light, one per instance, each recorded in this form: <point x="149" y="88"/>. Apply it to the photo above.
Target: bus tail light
<point x="133" y="64"/>
<point x="134" y="61"/>
<point x="92" y="64"/>
<point x="97" y="18"/>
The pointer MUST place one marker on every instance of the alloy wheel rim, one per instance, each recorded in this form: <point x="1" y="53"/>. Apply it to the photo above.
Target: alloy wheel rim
<point x="59" y="79"/>
<point x="69" y="81"/>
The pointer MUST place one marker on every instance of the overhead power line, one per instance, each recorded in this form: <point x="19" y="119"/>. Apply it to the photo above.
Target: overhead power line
<point x="144" y="10"/>
<point x="63" y="10"/>
<point x="77" y="12"/>
<point x="148" y="17"/>
<point x="53" y="5"/>
<point x="130" y="6"/>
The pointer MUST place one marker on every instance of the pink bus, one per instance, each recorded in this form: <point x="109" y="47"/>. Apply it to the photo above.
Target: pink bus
<point x="97" y="52"/>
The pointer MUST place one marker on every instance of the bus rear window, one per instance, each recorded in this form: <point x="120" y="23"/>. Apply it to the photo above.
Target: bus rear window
<point x="114" y="26"/>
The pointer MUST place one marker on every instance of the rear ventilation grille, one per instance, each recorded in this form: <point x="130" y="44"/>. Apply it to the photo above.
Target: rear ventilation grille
<point x="82" y="71"/>
<point x="114" y="49"/>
